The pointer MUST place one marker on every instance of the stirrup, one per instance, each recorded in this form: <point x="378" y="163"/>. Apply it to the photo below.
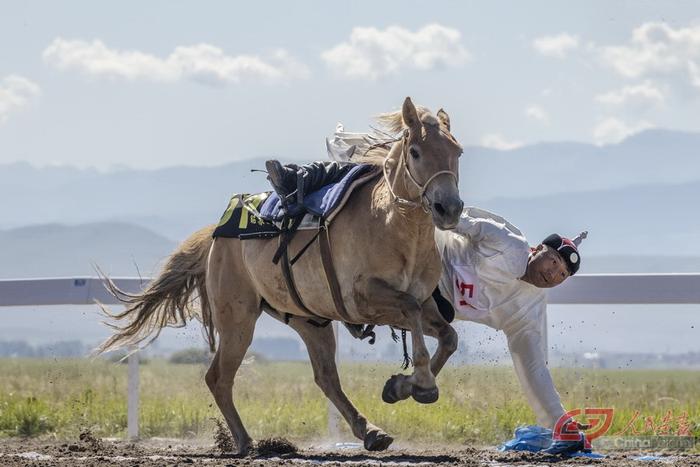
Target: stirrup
<point x="276" y="178"/>
<point x="286" y="200"/>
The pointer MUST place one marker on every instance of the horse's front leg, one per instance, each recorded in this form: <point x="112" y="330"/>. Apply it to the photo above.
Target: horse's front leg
<point x="434" y="325"/>
<point x="405" y="312"/>
<point x="399" y="387"/>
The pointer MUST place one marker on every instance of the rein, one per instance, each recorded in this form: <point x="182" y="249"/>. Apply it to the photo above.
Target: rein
<point x="424" y="202"/>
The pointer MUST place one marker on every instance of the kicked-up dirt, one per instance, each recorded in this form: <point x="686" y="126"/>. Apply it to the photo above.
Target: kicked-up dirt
<point x="91" y="451"/>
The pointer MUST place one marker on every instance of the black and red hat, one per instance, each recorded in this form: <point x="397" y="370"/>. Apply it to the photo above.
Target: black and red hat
<point x="567" y="249"/>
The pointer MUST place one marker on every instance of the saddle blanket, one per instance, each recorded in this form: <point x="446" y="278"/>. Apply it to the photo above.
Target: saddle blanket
<point x="323" y="202"/>
<point x="241" y="218"/>
<point x="259" y="215"/>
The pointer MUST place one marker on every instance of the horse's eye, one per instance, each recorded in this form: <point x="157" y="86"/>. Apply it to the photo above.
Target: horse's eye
<point x="414" y="153"/>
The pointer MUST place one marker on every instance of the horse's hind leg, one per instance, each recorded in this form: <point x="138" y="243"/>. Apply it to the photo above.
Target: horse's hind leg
<point x="320" y="343"/>
<point x="219" y="378"/>
<point x="235" y="311"/>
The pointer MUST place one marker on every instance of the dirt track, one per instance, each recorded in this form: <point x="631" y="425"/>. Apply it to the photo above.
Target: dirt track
<point x="20" y="452"/>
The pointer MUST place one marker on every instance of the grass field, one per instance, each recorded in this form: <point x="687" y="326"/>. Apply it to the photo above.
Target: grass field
<point x="477" y="404"/>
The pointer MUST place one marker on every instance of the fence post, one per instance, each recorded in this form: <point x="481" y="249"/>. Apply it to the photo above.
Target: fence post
<point x="333" y="414"/>
<point x="132" y="417"/>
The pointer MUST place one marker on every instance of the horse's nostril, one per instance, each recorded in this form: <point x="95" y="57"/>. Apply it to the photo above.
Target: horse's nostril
<point x="439" y="208"/>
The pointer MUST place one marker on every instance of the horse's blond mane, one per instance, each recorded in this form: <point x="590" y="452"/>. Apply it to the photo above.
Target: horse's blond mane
<point x="391" y="124"/>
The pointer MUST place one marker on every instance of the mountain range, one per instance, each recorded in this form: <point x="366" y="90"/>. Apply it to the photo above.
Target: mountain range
<point x="55" y="250"/>
<point x="636" y="197"/>
<point x="649" y="157"/>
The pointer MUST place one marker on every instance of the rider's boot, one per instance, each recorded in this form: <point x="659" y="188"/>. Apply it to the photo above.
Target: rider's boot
<point x="283" y="178"/>
<point x="304" y="179"/>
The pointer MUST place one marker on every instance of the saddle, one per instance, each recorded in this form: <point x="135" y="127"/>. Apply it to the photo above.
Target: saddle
<point x="264" y="215"/>
<point x="324" y="203"/>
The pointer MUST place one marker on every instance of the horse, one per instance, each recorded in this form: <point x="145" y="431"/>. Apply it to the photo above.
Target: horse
<point x="388" y="266"/>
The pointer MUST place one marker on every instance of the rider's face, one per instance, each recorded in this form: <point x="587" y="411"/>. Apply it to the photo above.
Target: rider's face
<point x="545" y="268"/>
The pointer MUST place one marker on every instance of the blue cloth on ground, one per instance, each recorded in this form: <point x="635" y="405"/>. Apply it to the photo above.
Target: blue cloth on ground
<point x="530" y="438"/>
<point x="320" y="203"/>
<point x="535" y="438"/>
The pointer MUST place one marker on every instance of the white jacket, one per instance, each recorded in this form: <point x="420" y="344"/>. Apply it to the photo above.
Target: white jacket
<point x="483" y="260"/>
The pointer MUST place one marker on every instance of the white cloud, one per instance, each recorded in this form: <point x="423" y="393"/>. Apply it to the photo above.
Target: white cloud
<point x="613" y="130"/>
<point x="203" y="63"/>
<point x="370" y="53"/>
<point x="16" y="92"/>
<point x="639" y="96"/>
<point x="497" y="141"/>
<point x="694" y="70"/>
<point x="537" y="113"/>
<point x="557" y="46"/>
<point x="657" y="49"/>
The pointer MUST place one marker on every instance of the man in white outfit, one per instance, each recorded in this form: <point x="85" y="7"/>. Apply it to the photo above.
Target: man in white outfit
<point x="490" y="275"/>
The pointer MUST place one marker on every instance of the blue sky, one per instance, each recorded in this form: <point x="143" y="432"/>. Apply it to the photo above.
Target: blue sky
<point x="152" y="84"/>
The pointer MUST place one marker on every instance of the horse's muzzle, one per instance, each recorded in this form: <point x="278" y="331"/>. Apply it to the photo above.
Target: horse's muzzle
<point x="446" y="213"/>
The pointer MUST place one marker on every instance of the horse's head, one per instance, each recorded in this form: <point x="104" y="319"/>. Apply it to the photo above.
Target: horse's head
<point x="431" y="155"/>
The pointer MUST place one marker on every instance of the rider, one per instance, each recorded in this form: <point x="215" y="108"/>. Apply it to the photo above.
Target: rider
<point x="490" y="275"/>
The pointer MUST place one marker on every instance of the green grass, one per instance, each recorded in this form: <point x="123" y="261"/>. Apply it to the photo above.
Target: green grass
<point x="477" y="404"/>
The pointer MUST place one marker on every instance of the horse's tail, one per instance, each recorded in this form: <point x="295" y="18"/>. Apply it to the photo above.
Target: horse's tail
<point x="168" y="300"/>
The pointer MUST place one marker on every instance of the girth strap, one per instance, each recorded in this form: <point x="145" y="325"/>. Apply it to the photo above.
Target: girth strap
<point x="327" y="260"/>
<point x="291" y="286"/>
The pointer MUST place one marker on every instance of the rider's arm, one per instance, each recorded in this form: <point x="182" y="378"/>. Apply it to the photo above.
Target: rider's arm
<point x="477" y="228"/>
<point x="527" y="341"/>
<point x="492" y="233"/>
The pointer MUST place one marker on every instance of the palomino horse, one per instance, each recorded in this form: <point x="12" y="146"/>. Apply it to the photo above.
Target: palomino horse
<point x="387" y="267"/>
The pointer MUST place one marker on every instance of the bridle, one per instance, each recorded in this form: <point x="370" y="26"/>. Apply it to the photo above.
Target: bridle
<point x="422" y="187"/>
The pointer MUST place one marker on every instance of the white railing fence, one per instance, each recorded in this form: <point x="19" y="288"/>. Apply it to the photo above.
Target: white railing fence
<point x="80" y="291"/>
<point x="589" y="289"/>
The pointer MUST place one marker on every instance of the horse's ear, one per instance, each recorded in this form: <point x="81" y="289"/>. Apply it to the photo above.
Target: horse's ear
<point x="410" y="114"/>
<point x="444" y="118"/>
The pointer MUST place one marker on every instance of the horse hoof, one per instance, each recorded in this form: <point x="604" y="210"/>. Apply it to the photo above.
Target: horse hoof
<point x="425" y="396"/>
<point x="377" y="440"/>
<point x="239" y="453"/>
<point x="244" y="449"/>
<point x="390" y="393"/>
